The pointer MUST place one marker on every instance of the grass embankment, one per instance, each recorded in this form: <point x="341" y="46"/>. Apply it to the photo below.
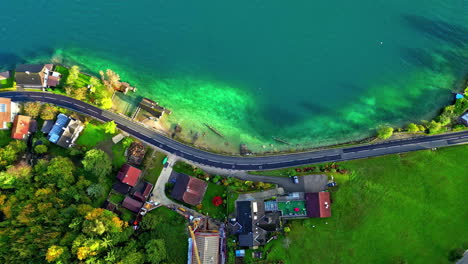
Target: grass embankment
<point x="408" y="207"/>
<point x="171" y="227"/>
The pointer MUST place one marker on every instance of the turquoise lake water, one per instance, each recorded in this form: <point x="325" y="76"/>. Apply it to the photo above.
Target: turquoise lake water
<point x="309" y="72"/>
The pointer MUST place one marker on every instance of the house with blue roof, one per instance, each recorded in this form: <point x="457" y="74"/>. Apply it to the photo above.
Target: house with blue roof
<point x="65" y="131"/>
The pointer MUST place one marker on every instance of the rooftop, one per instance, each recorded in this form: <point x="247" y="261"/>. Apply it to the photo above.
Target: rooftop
<point x="318" y="204"/>
<point x="189" y="189"/>
<point x="5" y="112"/>
<point x="20" y="127"/>
<point x="132" y="204"/>
<point x="129" y="175"/>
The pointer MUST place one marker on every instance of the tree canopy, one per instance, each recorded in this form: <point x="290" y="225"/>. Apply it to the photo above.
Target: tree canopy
<point x="384" y="132"/>
<point x="110" y="127"/>
<point x="97" y="162"/>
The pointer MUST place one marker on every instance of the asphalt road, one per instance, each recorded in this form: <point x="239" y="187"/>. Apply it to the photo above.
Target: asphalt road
<point x="238" y="162"/>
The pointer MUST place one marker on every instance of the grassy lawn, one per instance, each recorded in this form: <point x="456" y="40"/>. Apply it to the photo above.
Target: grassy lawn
<point x="116" y="197"/>
<point x="5" y="137"/>
<point x="118" y="152"/>
<point x="173" y="229"/>
<point x="83" y="79"/>
<point x="154" y="166"/>
<point x="92" y="135"/>
<point x="208" y="208"/>
<point x="399" y="207"/>
<point x="183" y="167"/>
<point x="7" y="83"/>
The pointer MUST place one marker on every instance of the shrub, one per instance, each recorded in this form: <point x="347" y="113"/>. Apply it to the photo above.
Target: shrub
<point x="384" y="132"/>
<point x="412" y="128"/>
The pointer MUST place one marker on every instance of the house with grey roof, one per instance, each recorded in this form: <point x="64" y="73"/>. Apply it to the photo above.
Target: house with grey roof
<point x="464" y="119"/>
<point x="36" y="76"/>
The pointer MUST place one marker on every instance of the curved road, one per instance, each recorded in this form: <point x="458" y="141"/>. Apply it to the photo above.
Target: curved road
<point x="237" y="162"/>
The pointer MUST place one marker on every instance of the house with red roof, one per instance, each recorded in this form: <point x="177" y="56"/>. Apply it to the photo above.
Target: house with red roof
<point x="129" y="175"/>
<point x="20" y="128"/>
<point x="318" y="204"/>
<point x="188" y="189"/>
<point x="143" y="194"/>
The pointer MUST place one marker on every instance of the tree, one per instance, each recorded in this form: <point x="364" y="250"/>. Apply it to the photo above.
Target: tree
<point x="444" y="119"/>
<point x="94" y="82"/>
<point x="48" y="112"/>
<point x="412" y="128"/>
<point x="53" y="253"/>
<point x="456" y="254"/>
<point x="156" y="251"/>
<point x="73" y="74"/>
<point x="95" y="190"/>
<point x="113" y="78"/>
<point x="97" y="162"/>
<point x="9" y="153"/>
<point x="32" y="109"/>
<point x="40" y="149"/>
<point x="384" y="132"/>
<point x="434" y="126"/>
<point x="106" y="103"/>
<point x="127" y="142"/>
<point x="80" y="93"/>
<point x="110" y="127"/>
<point x="60" y="172"/>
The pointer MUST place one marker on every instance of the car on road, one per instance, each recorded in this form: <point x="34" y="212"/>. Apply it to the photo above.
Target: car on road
<point x="332" y="184"/>
<point x="295" y="179"/>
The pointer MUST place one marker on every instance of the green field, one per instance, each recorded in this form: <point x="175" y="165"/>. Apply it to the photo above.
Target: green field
<point x="208" y="207"/>
<point x="83" y="79"/>
<point x="92" y="135"/>
<point x="408" y="207"/>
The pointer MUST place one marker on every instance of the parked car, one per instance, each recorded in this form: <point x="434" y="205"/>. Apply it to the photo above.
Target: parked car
<point x="332" y="184"/>
<point x="295" y="179"/>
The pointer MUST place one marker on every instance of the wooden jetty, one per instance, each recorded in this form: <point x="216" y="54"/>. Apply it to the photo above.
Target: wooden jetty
<point x="214" y="130"/>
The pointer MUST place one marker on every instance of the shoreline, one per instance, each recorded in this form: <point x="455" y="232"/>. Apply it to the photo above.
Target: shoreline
<point x="212" y="140"/>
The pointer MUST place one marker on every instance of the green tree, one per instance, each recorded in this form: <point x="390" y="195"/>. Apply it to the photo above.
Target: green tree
<point x="444" y="119"/>
<point x="95" y="190"/>
<point x="60" y="172"/>
<point x="48" y="112"/>
<point x="434" y="127"/>
<point x="40" y="149"/>
<point x="10" y="152"/>
<point x="32" y="109"/>
<point x="110" y="127"/>
<point x="384" y="132"/>
<point x="97" y="162"/>
<point x="412" y="128"/>
<point x="155" y="251"/>
<point x="73" y="75"/>
<point x="126" y="142"/>
<point x="94" y="82"/>
<point x="106" y="103"/>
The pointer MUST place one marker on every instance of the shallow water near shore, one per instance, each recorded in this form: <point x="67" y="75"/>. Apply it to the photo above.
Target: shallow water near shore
<point x="309" y="73"/>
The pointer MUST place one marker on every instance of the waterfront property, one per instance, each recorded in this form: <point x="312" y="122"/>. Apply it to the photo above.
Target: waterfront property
<point x="36" y="76"/>
<point x="188" y="189"/>
<point x="65" y="131"/>
<point x="20" y="128"/>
